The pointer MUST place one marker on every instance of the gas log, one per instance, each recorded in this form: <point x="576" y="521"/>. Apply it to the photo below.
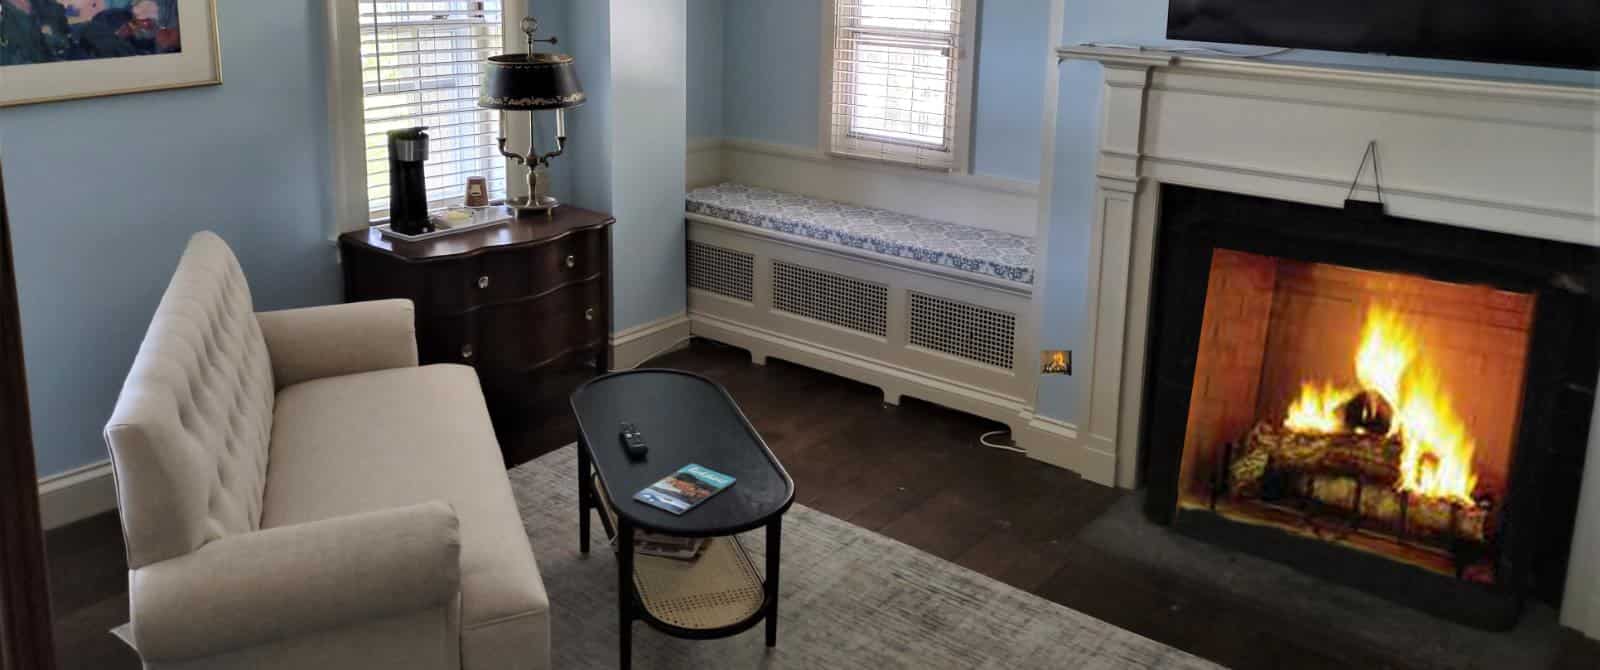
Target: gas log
<point x="1352" y="472"/>
<point x="1374" y="458"/>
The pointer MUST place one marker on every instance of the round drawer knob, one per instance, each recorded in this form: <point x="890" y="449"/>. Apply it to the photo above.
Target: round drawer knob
<point x="572" y="261"/>
<point x="588" y="314"/>
<point x="483" y="282"/>
<point x="466" y="352"/>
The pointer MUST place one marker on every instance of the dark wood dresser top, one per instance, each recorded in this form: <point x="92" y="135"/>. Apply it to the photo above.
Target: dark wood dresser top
<point x="539" y="229"/>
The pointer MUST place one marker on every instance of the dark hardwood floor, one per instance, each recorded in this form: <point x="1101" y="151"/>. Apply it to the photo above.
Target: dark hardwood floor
<point x="914" y="473"/>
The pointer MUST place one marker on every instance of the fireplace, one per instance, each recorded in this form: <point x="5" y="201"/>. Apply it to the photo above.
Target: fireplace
<point x="1393" y="404"/>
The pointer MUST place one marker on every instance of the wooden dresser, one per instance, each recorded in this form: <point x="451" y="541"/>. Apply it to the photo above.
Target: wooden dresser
<point x="528" y="303"/>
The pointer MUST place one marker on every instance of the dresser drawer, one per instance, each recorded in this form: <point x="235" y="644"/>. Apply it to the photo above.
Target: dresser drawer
<point x="505" y="276"/>
<point x="520" y="335"/>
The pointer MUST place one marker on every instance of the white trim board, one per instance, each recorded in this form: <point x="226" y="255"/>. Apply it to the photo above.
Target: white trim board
<point x="995" y="203"/>
<point x="634" y="346"/>
<point x="77" y="494"/>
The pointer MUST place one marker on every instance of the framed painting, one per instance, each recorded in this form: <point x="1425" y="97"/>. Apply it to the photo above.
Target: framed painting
<point x="65" y="49"/>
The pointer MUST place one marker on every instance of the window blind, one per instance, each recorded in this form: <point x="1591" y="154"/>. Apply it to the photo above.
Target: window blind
<point x="895" y="70"/>
<point x="420" y="66"/>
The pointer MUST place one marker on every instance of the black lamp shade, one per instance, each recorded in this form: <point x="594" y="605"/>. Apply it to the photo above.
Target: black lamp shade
<point x="530" y="81"/>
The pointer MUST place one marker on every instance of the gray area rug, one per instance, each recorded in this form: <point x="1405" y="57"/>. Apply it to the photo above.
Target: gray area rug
<point x="850" y="599"/>
<point x="1422" y="640"/>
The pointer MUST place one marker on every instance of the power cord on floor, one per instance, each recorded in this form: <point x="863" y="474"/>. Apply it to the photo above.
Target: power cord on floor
<point x="984" y="440"/>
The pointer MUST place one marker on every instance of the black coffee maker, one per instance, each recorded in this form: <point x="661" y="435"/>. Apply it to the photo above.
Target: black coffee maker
<point x="408" y="186"/>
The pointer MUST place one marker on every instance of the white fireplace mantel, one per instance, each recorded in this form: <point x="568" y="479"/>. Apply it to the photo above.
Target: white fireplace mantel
<point x="1507" y="157"/>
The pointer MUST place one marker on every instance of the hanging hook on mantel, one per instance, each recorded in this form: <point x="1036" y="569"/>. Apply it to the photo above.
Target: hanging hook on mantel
<point x="1375" y="209"/>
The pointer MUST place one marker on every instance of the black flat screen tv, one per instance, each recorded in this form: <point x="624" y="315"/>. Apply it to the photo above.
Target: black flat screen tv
<point x="1553" y="33"/>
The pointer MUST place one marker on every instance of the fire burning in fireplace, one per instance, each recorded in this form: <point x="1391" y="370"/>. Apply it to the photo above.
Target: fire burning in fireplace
<point x="1399" y="397"/>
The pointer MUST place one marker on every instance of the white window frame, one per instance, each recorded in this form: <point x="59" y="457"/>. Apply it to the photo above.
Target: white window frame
<point x="966" y="73"/>
<point x="347" y="118"/>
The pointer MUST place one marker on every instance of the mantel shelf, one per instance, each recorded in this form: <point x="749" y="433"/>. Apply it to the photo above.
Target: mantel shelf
<point x="1154" y="57"/>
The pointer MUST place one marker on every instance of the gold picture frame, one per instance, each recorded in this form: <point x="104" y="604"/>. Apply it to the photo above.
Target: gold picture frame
<point x="196" y="62"/>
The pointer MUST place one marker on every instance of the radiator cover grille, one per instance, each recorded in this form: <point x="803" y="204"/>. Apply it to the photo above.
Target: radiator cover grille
<point x="962" y="330"/>
<point x="721" y="271"/>
<point x="846" y="302"/>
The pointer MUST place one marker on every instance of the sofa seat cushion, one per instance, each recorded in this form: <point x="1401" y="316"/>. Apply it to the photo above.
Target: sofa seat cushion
<point x="951" y="245"/>
<point x="399" y="437"/>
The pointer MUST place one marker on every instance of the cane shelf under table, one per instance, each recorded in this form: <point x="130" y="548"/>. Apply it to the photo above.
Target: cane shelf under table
<point x="686" y="419"/>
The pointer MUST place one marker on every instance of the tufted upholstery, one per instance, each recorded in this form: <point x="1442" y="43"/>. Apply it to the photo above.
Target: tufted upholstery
<point x="380" y="537"/>
<point x="189" y="435"/>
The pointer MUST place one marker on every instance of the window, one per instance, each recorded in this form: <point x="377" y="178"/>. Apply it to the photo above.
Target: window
<point x="899" y="81"/>
<point x="419" y="64"/>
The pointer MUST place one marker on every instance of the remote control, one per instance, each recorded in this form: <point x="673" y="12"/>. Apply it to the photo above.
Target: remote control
<point x="633" y="442"/>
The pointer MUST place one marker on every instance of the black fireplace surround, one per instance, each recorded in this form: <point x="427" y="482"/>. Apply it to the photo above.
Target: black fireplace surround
<point x="1558" y="397"/>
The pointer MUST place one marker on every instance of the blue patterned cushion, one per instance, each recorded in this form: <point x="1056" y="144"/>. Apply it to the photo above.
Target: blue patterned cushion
<point x="986" y="252"/>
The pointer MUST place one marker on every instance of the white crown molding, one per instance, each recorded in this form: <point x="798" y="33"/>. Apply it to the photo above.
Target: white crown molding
<point x="76" y="494"/>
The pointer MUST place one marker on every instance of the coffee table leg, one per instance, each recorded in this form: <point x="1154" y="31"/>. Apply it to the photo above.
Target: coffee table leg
<point x="774" y="551"/>
<point x="625" y="592"/>
<point x="583" y="496"/>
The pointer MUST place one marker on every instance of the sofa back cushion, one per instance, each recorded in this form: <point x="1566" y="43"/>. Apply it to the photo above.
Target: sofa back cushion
<point x="189" y="435"/>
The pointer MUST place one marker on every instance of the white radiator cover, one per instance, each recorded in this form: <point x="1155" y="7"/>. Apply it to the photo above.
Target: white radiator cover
<point x="945" y="336"/>
<point x="1499" y="156"/>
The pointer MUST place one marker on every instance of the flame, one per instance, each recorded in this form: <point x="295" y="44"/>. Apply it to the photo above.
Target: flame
<point x="1437" y="457"/>
<point x="1317" y="409"/>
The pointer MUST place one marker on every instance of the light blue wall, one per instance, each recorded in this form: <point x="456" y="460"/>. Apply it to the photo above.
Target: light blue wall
<point x="705" y="67"/>
<point x="588" y="158"/>
<point x="1077" y="136"/>
<point x="555" y="20"/>
<point x="1008" y="104"/>
<point x="772" y="62"/>
<point x="629" y="144"/>
<point x="104" y="193"/>
<point x="648" y="69"/>
<point x="772" y="78"/>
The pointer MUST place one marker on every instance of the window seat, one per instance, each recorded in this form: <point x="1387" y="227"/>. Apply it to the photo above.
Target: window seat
<point x="977" y="250"/>
<point x="936" y="311"/>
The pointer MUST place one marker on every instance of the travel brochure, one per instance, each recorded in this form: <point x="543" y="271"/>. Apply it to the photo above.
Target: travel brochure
<point x="685" y="489"/>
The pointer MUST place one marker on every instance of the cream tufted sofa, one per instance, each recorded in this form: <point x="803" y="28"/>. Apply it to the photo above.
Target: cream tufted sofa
<point x="297" y="493"/>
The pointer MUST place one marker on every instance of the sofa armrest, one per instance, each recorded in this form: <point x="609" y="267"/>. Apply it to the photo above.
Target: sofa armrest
<point x="274" y="584"/>
<point x="333" y="340"/>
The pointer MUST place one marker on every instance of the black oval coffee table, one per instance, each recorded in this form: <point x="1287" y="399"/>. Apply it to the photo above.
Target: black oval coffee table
<point x="685" y="418"/>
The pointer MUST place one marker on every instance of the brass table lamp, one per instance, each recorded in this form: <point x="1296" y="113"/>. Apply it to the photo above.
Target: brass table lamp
<point x="530" y="82"/>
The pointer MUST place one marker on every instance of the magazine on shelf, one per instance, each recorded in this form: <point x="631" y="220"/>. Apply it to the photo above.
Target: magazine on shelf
<point x="667" y="546"/>
<point x="646" y="543"/>
<point x="685" y="489"/>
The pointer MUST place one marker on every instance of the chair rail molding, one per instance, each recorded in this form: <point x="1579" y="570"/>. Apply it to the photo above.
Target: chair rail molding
<point x="996" y="203"/>
<point x="1508" y="157"/>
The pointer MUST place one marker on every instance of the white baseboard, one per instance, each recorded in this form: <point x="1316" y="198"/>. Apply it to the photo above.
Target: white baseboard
<point x="1061" y="444"/>
<point x="1046" y="440"/>
<point x="995" y="203"/>
<point x="640" y="343"/>
<point x="76" y="495"/>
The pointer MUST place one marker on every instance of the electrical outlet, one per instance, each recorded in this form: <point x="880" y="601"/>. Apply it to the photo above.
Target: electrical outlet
<point x="1054" y="362"/>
